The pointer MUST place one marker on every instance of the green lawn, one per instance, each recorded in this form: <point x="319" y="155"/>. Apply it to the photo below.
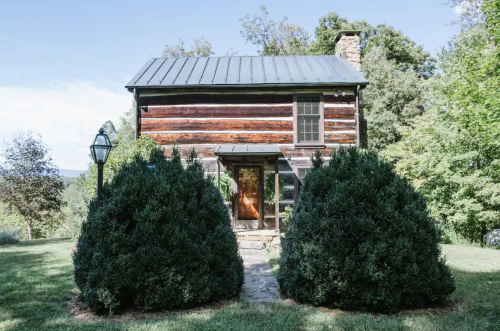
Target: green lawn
<point x="36" y="280"/>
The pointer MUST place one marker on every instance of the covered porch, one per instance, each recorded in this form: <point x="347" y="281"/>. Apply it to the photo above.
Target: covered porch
<point x="247" y="164"/>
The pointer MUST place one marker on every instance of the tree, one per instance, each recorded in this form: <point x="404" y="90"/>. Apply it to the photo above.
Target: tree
<point x="396" y="68"/>
<point x="361" y="238"/>
<point x="170" y="246"/>
<point x="30" y="183"/>
<point x="392" y="100"/>
<point x="201" y="47"/>
<point x="274" y="38"/>
<point x="452" y="154"/>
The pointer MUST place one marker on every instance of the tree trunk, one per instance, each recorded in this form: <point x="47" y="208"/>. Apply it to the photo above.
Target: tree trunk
<point x="29" y="230"/>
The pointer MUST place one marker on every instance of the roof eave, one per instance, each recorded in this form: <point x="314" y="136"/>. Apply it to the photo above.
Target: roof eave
<point x="173" y="87"/>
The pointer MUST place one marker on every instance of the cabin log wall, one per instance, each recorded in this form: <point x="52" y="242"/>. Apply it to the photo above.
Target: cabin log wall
<point x="204" y="120"/>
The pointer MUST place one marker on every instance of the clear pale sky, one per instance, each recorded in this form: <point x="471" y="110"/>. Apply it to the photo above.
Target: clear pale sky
<point x="63" y="64"/>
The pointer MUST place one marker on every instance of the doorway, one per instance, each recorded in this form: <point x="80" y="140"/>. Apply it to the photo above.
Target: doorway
<point x="249" y="203"/>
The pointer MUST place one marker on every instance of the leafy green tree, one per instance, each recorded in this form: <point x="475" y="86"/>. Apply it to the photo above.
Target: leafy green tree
<point x="453" y="152"/>
<point x="392" y="100"/>
<point x="74" y="210"/>
<point x="396" y="68"/>
<point x="201" y="47"/>
<point x="126" y="130"/>
<point x="118" y="157"/>
<point x="274" y="38"/>
<point x="30" y="183"/>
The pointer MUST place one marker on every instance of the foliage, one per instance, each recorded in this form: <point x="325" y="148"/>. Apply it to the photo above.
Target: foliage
<point x="393" y="44"/>
<point x="110" y="129"/>
<point x="126" y="131"/>
<point x="361" y="238"/>
<point x="396" y="68"/>
<point x="392" y="99"/>
<point x="201" y="47"/>
<point x="75" y="210"/>
<point x="274" y="38"/>
<point x="270" y="189"/>
<point x="118" y="157"/>
<point x="9" y="236"/>
<point x="161" y="239"/>
<point x="288" y="214"/>
<point x="453" y="153"/>
<point x="225" y="186"/>
<point x="30" y="183"/>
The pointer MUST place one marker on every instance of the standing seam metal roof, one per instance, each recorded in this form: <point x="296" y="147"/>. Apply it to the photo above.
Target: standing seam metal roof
<point x="247" y="70"/>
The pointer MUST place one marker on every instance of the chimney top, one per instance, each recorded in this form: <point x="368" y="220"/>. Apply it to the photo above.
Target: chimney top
<point x="343" y="32"/>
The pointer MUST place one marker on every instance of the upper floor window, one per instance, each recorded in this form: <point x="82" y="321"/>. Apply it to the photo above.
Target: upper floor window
<point x="308" y="120"/>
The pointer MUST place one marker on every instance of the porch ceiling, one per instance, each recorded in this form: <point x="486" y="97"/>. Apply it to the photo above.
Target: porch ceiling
<point x="247" y="149"/>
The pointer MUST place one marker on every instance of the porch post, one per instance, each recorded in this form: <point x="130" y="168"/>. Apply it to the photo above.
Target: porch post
<point x="218" y="172"/>
<point x="276" y="198"/>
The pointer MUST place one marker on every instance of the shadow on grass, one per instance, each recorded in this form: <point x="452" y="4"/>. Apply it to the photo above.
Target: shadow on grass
<point x="32" y="284"/>
<point x="36" y="281"/>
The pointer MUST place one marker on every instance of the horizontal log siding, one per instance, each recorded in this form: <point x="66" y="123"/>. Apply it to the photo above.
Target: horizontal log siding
<point x="216" y="99"/>
<point x="340" y="138"/>
<point x="202" y="121"/>
<point x="199" y="111"/>
<point x="221" y="138"/>
<point x="216" y="125"/>
<point x="343" y="113"/>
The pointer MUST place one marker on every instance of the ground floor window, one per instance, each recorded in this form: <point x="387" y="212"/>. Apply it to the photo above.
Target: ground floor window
<point x="300" y="174"/>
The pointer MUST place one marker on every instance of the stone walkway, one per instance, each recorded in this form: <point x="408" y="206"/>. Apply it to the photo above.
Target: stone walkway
<point x="260" y="285"/>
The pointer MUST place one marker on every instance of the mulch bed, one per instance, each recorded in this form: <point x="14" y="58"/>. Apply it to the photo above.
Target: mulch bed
<point x="79" y="309"/>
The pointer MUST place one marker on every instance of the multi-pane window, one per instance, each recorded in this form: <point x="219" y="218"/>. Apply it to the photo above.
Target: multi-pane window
<point x="300" y="174"/>
<point x="308" y="120"/>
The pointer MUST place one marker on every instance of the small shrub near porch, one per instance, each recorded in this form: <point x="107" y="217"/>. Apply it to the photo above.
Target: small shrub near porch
<point x="361" y="238"/>
<point x="161" y="239"/>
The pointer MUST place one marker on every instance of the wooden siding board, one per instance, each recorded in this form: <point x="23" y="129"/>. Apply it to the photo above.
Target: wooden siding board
<point x="340" y="113"/>
<point x="221" y="111"/>
<point x="220" y="138"/>
<point x="187" y="99"/>
<point x="215" y="125"/>
<point x="341" y="138"/>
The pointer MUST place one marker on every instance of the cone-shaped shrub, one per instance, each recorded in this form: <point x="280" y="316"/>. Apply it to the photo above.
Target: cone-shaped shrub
<point x="361" y="238"/>
<point x="161" y="239"/>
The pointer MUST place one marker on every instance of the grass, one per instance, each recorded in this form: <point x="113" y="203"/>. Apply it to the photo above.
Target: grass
<point x="36" y="279"/>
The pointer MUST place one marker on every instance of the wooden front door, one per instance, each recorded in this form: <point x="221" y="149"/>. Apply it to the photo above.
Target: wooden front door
<point x="248" y="194"/>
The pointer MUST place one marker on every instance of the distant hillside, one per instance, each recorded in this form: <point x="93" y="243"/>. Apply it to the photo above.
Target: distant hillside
<point x="70" y="173"/>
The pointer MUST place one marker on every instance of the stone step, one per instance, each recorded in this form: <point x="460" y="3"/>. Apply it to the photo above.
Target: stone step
<point x="249" y="238"/>
<point x="251" y="245"/>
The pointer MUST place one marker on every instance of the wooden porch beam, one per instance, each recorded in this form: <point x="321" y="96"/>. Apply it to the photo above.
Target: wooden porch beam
<point x="276" y="198"/>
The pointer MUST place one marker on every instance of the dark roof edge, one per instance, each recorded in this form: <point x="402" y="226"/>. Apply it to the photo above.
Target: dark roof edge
<point x="211" y="86"/>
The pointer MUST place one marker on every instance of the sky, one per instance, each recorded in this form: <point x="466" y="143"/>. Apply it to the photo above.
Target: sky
<point x="64" y="64"/>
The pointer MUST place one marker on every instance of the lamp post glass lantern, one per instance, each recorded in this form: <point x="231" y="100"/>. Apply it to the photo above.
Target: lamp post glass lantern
<point x="100" y="152"/>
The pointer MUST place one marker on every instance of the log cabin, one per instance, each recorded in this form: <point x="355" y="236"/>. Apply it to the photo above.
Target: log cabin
<point x="255" y="118"/>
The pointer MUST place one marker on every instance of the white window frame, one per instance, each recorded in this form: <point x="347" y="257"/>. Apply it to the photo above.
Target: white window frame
<point x="321" y="142"/>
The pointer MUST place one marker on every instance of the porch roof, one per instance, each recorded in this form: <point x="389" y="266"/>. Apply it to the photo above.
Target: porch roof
<point x="247" y="149"/>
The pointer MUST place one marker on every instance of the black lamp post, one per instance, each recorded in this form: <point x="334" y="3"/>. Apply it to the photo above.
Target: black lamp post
<point x="100" y="152"/>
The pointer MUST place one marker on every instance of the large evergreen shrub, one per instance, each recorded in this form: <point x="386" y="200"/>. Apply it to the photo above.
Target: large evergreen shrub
<point x="361" y="238"/>
<point x="161" y="239"/>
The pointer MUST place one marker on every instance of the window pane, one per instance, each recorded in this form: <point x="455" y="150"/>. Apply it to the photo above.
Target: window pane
<point x="308" y="99"/>
<point x="315" y="109"/>
<point x="315" y="126"/>
<point x="300" y="108"/>
<point x="316" y="136"/>
<point x="302" y="172"/>
<point x="308" y="136"/>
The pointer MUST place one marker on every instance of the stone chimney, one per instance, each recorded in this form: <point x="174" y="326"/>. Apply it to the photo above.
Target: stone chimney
<point x="348" y="47"/>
